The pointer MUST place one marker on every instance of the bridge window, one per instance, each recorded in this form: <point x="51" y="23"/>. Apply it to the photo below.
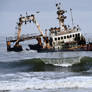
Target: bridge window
<point x="58" y="38"/>
<point x="67" y="36"/>
<point x="70" y="36"/>
<point x="78" y="34"/>
<point x="73" y="35"/>
<point x="61" y="38"/>
<point x="64" y="37"/>
<point x="55" y="39"/>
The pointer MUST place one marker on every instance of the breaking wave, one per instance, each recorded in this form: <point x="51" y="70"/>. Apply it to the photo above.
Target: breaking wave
<point x="84" y="65"/>
<point x="27" y="65"/>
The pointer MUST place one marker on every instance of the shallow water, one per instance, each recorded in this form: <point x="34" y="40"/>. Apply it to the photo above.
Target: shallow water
<point x="29" y="71"/>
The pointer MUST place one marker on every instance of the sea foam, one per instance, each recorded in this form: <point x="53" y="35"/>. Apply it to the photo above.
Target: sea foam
<point x="36" y="83"/>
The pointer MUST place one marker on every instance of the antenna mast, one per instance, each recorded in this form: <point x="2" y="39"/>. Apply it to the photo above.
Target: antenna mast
<point x="72" y="17"/>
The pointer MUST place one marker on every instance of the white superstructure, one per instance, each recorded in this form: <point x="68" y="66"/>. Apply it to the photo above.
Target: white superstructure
<point x="63" y="34"/>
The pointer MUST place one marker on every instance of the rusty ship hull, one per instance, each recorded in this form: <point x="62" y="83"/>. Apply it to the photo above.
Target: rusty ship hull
<point x="87" y="47"/>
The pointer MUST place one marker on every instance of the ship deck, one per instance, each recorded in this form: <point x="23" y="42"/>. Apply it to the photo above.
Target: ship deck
<point x="23" y="37"/>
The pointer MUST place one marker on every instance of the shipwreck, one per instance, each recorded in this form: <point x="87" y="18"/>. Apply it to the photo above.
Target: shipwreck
<point x="62" y="38"/>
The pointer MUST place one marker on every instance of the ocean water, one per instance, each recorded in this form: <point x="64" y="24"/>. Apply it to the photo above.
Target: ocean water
<point x="29" y="71"/>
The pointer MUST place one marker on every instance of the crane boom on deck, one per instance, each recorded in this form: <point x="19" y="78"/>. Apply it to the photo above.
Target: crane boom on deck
<point x="25" y="20"/>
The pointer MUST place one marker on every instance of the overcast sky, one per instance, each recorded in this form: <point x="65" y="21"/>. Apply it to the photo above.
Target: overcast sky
<point x="10" y="11"/>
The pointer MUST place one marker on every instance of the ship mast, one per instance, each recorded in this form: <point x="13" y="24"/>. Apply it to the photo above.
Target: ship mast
<point x="61" y="17"/>
<point x="72" y="17"/>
